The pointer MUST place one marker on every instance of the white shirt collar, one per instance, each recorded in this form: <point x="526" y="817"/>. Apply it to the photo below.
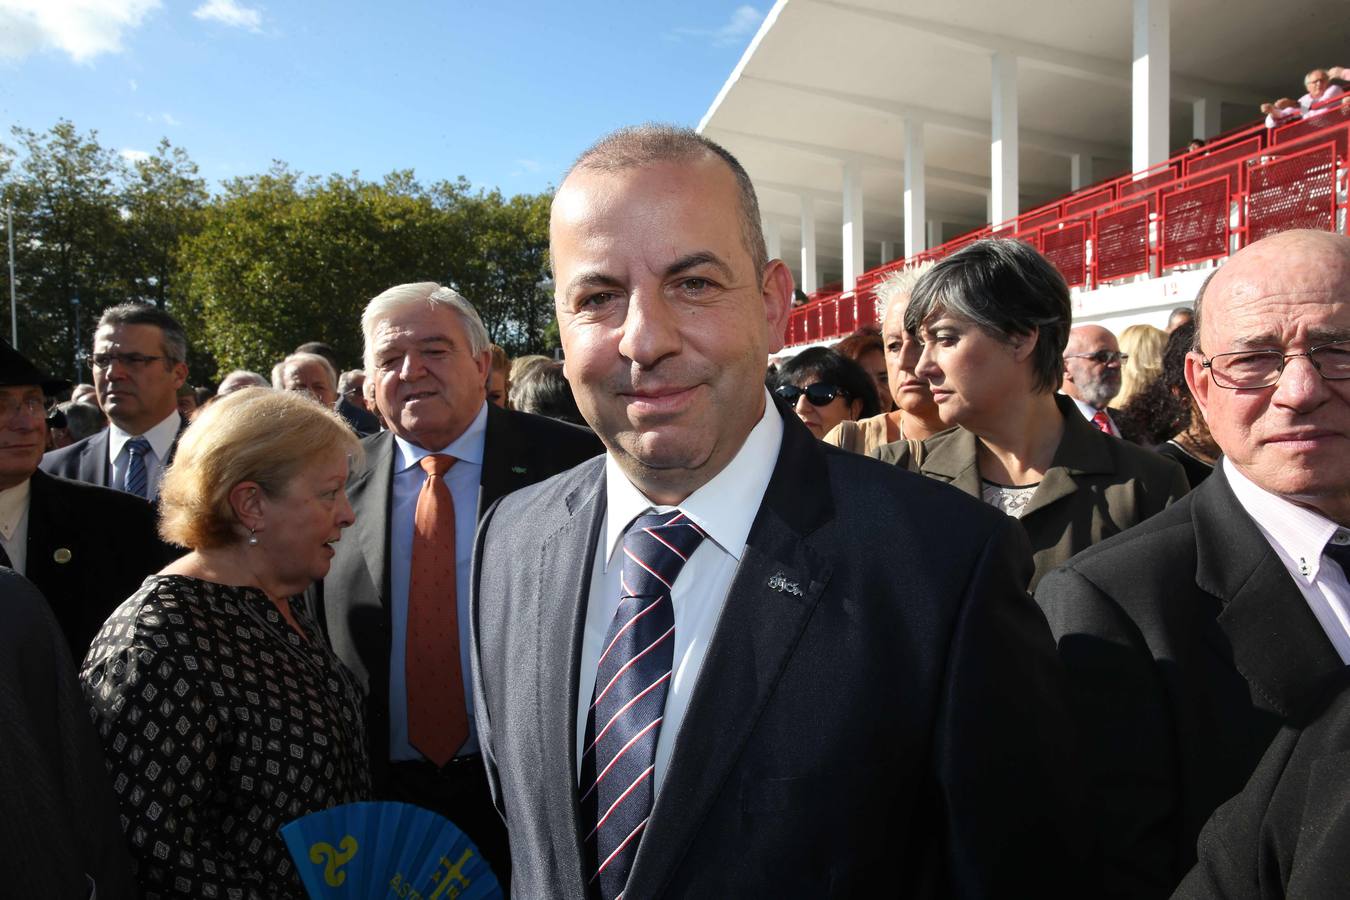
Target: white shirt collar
<point x="468" y="447"/>
<point x="1087" y="409"/>
<point x="724" y="508"/>
<point x="161" y="436"/>
<point x="1300" y="533"/>
<point x="13" y="504"/>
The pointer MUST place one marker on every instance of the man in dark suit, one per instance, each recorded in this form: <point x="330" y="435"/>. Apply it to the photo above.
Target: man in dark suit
<point x="1190" y="638"/>
<point x="59" y="835"/>
<point x="1092" y="361"/>
<point x="722" y="661"/>
<point x="1288" y="833"/>
<point x="448" y="454"/>
<point x="87" y="548"/>
<point x="139" y="362"/>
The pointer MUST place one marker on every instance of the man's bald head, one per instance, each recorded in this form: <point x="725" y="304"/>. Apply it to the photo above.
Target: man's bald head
<point x="1095" y="382"/>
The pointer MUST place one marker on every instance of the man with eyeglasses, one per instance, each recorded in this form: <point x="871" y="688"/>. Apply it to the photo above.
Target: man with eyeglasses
<point x="86" y="548"/>
<point x="1193" y="637"/>
<point x="139" y="363"/>
<point x="1092" y="361"/>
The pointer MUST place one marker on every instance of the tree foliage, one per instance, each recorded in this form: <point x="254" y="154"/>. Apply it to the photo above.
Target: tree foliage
<point x="268" y="262"/>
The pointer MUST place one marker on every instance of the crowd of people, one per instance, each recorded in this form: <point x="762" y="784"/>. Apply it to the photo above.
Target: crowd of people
<point x="976" y="604"/>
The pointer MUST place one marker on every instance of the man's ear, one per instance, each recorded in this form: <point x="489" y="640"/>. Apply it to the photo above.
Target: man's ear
<point x="1198" y="380"/>
<point x="776" y="290"/>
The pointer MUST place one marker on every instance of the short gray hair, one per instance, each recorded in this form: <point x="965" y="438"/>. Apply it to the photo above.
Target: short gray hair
<point x="82" y="419"/>
<point x="279" y="370"/>
<point x="174" y="339"/>
<point x="428" y="292"/>
<point x="896" y="285"/>
<point x="244" y="378"/>
<point x="644" y="145"/>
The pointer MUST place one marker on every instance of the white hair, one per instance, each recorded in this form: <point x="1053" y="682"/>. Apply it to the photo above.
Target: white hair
<point x="898" y="285"/>
<point x="279" y="370"/>
<point x="422" y="292"/>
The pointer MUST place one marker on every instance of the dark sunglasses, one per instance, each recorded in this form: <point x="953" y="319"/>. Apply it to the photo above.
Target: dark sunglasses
<point x="818" y="394"/>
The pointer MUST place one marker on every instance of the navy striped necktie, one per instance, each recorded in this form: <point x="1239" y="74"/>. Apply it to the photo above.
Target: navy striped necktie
<point x="629" y="699"/>
<point x="137" y="478"/>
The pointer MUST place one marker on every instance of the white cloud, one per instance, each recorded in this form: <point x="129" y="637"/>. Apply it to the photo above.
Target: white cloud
<point x="734" y="32"/>
<point x="231" y="13"/>
<point x="82" y="29"/>
<point x="168" y="119"/>
<point x="134" y="156"/>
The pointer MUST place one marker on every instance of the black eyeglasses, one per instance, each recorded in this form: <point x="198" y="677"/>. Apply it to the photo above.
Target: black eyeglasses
<point x="1245" y="370"/>
<point x="1104" y="357"/>
<point x="134" y="361"/>
<point x="818" y="394"/>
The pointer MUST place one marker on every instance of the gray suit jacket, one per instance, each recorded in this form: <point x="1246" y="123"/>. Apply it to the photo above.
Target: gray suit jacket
<point x="1188" y="646"/>
<point x="87" y="460"/>
<point x="1097" y="485"/>
<point x="897" y="725"/>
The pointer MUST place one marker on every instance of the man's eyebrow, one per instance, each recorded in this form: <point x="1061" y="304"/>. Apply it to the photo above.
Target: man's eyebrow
<point x="700" y="258"/>
<point x="587" y="280"/>
<point x="1262" y="341"/>
<point x="1328" y="335"/>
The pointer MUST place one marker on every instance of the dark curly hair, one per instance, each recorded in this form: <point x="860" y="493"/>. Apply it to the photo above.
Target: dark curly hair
<point x="1162" y="408"/>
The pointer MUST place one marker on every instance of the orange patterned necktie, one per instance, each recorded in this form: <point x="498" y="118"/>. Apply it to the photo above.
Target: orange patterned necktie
<point x="438" y="723"/>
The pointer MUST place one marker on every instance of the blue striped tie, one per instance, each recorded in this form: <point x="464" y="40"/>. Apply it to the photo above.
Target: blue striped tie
<point x="137" y="478"/>
<point x="629" y="700"/>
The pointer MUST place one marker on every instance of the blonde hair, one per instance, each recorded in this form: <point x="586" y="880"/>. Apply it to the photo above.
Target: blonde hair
<point x="1145" y="345"/>
<point x="254" y="434"/>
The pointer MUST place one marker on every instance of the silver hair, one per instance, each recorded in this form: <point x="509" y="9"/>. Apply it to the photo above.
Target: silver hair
<point x="244" y="377"/>
<point x="279" y="370"/>
<point x="897" y="285"/>
<point x="422" y="292"/>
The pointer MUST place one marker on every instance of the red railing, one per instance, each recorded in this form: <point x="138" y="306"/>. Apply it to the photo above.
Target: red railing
<point x="1196" y="207"/>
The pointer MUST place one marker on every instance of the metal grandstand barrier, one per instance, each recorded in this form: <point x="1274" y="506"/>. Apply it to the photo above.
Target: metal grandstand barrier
<point x="1197" y="207"/>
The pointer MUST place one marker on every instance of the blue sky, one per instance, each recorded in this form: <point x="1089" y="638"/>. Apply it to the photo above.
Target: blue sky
<point x="503" y="93"/>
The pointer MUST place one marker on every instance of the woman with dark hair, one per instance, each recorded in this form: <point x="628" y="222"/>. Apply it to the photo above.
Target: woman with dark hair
<point x="994" y="318"/>
<point x="865" y="348"/>
<point x="1162" y="415"/>
<point x="825" y="388"/>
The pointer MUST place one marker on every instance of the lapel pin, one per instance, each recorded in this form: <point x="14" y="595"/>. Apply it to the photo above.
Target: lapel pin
<point x="780" y="583"/>
<point x="519" y="470"/>
<point x="62" y="555"/>
<point x="1303" y="565"/>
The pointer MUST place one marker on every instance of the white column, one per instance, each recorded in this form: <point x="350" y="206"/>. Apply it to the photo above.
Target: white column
<point x="773" y="238"/>
<point x="1080" y="171"/>
<point x="1003" y="175"/>
<point x="1152" y="82"/>
<point x="809" y="282"/>
<point x="887" y="251"/>
<point x="934" y="234"/>
<point x="1205" y="118"/>
<point x="853" y="225"/>
<point x="916" y="212"/>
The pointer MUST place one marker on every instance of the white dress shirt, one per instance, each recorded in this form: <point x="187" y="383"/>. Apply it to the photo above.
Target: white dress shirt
<point x="1304" y="108"/>
<point x="14" y="524"/>
<point x="724" y="508"/>
<point x="1088" y="411"/>
<point x="1299" y="535"/>
<point x="463" y="480"/>
<point x="161" y="438"/>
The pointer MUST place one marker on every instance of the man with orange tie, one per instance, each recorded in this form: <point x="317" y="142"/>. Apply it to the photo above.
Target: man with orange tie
<point x="395" y="602"/>
<point x="1092" y="362"/>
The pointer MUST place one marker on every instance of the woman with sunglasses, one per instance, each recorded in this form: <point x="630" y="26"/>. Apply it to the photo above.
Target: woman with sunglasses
<point x="825" y="388"/>
<point x="994" y="320"/>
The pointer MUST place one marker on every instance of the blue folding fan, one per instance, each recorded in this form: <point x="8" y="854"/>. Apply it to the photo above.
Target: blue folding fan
<point x="395" y="850"/>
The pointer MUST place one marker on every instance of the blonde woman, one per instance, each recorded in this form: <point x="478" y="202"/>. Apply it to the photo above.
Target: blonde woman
<point x="1144" y="345"/>
<point x="223" y="713"/>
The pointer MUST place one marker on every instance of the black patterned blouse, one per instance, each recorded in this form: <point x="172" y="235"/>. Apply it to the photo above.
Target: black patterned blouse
<point x="220" y="725"/>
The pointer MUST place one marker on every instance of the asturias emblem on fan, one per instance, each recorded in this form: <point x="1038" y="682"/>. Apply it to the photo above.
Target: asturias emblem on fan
<point x="322" y="853"/>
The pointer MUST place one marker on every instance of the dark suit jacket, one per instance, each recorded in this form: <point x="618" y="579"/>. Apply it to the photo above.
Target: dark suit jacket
<point x="59" y="828"/>
<point x="89" y="548"/>
<point x="1097" y="485"/>
<point x="87" y="460"/>
<point x="1288" y="833"/>
<point x="1187" y="645"/>
<point x="352" y="602"/>
<point x="897" y="726"/>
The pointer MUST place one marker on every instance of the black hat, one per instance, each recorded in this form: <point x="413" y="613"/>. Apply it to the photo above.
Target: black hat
<point x="15" y="369"/>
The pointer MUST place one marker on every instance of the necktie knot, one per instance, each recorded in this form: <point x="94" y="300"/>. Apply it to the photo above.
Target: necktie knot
<point x="138" y="446"/>
<point x="1338" y="548"/>
<point x="437" y="464"/>
<point x="656" y="547"/>
<point x="1102" y="421"/>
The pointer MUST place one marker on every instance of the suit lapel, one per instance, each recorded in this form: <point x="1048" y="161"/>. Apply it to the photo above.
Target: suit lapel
<point x="505" y="462"/>
<point x="953" y="456"/>
<point x="370" y="494"/>
<point x="1275" y="640"/>
<point x="1082" y="450"/>
<point x="778" y="583"/>
<point x="565" y="574"/>
<point x="95" y="467"/>
<point x="40" y="531"/>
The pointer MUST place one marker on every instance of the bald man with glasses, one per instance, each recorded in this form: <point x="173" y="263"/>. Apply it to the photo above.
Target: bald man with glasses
<point x="1193" y="637"/>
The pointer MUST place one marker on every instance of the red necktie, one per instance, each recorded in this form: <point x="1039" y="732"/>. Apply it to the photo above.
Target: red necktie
<point x="438" y="723"/>
<point x="1103" y="422"/>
